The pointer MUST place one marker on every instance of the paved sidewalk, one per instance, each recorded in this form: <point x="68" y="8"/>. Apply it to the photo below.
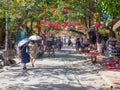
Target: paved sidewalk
<point x="112" y="77"/>
<point x="65" y="71"/>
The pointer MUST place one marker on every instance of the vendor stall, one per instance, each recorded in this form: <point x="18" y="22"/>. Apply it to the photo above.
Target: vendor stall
<point x="112" y="59"/>
<point x="113" y="48"/>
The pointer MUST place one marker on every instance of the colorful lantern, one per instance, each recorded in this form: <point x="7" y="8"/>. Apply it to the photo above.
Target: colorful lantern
<point x="76" y="27"/>
<point x="82" y="26"/>
<point x="56" y="25"/>
<point x="71" y="27"/>
<point x="70" y="24"/>
<point x="77" y="22"/>
<point x="23" y="25"/>
<point x="42" y="21"/>
<point x="103" y="31"/>
<point x="97" y="24"/>
<point x="37" y="25"/>
<point x="50" y="24"/>
<point x="95" y="15"/>
<point x="105" y="16"/>
<point x="65" y="10"/>
<point x="63" y="24"/>
<point x="102" y="23"/>
<point x="54" y="9"/>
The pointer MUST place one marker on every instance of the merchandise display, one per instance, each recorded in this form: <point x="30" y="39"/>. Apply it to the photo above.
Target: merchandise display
<point x="114" y="48"/>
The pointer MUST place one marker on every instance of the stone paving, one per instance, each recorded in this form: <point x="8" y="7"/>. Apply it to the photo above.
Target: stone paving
<point x="65" y="71"/>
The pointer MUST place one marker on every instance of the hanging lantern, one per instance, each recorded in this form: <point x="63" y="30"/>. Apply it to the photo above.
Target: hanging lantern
<point x="105" y="16"/>
<point x="70" y="24"/>
<point x="50" y="24"/>
<point x="63" y="24"/>
<point x="77" y="22"/>
<point x="56" y="25"/>
<point x="97" y="24"/>
<point x="42" y="21"/>
<point x="95" y="15"/>
<point x="53" y="9"/>
<point x="23" y="25"/>
<point x="71" y="27"/>
<point x="82" y="26"/>
<point x="37" y="25"/>
<point x="65" y="10"/>
<point x="76" y="27"/>
<point x="102" y="23"/>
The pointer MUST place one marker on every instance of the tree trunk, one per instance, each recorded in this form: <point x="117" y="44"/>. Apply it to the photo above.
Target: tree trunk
<point x="31" y="26"/>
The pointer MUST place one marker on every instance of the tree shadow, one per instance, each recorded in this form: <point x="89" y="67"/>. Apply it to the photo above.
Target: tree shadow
<point x="50" y="72"/>
<point x="47" y="86"/>
<point x="66" y="57"/>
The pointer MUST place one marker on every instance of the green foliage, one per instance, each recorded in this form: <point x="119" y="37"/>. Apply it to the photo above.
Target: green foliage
<point x="110" y="6"/>
<point x="20" y="11"/>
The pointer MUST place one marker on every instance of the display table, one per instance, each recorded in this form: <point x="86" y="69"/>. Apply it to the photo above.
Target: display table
<point x="113" y="48"/>
<point x="93" y="55"/>
<point x="111" y="62"/>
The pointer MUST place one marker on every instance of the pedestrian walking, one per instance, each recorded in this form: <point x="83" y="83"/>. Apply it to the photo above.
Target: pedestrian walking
<point x="78" y="45"/>
<point x="24" y="55"/>
<point x="59" y="43"/>
<point x="70" y="42"/>
<point x="33" y="51"/>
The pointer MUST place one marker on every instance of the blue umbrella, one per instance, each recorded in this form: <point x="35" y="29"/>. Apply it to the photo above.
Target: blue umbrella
<point x="24" y="41"/>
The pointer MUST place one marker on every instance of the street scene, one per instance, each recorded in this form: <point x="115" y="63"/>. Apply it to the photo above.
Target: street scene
<point x="65" y="71"/>
<point x="59" y="45"/>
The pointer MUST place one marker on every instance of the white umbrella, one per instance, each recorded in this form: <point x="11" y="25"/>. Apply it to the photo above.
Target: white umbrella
<point x="35" y="37"/>
<point x="1" y="52"/>
<point x="24" y="41"/>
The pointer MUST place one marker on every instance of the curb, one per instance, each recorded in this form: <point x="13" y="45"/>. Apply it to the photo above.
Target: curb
<point x="110" y="83"/>
<point x="112" y="86"/>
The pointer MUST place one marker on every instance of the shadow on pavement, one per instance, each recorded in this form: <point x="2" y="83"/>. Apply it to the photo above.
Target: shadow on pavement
<point x="46" y="86"/>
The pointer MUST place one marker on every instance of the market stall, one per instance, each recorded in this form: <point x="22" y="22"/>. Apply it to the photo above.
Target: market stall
<point x="112" y="59"/>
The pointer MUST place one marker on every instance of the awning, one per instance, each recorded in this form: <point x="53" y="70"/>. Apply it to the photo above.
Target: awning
<point x="116" y="26"/>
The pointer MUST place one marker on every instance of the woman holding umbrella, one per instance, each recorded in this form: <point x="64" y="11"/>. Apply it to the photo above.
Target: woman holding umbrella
<point x="33" y="50"/>
<point x="33" y="47"/>
<point x="24" y="52"/>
